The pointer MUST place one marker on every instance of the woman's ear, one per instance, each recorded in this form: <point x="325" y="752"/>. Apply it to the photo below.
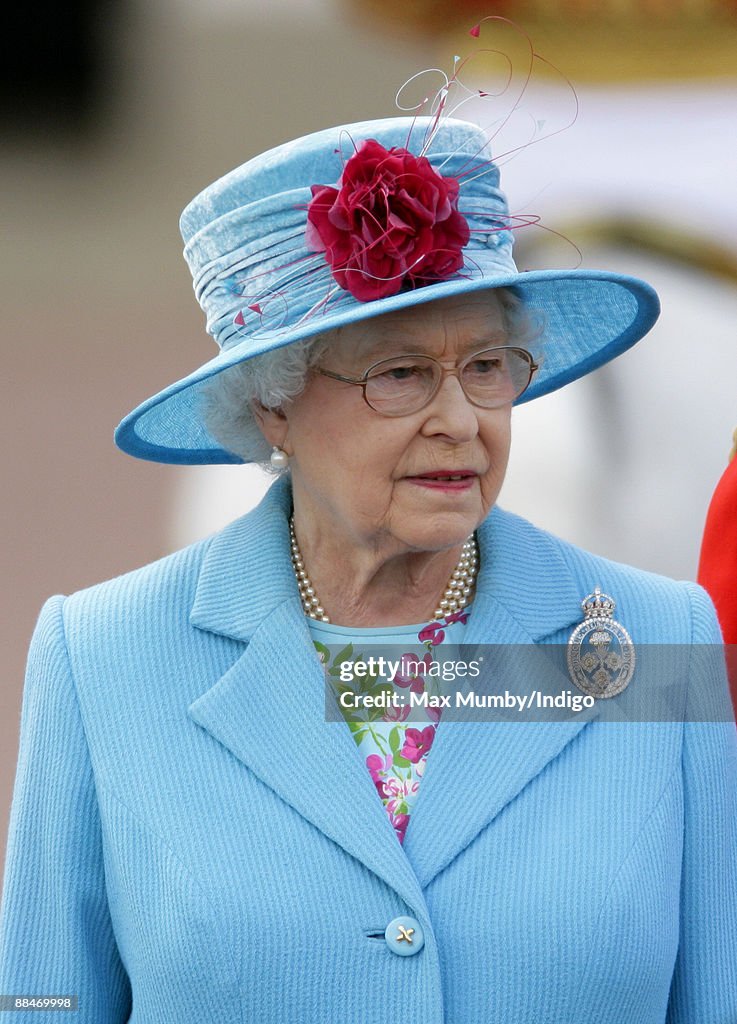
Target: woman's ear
<point x="272" y="423"/>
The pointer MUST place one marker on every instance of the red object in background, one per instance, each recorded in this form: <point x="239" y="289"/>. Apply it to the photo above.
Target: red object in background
<point x="718" y="563"/>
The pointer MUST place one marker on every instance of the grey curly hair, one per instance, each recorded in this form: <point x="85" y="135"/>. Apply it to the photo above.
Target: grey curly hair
<point x="276" y="377"/>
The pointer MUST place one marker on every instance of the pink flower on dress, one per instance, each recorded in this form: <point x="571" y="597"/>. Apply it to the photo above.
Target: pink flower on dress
<point x="397" y="790"/>
<point x="396" y="714"/>
<point x="379" y="768"/>
<point x="400" y="823"/>
<point x="417" y="743"/>
<point x="411" y="672"/>
<point x="432" y="633"/>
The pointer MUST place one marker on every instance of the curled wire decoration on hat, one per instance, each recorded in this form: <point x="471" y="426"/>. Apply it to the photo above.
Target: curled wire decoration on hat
<point x="403" y="217"/>
<point x="453" y="94"/>
<point x="274" y="317"/>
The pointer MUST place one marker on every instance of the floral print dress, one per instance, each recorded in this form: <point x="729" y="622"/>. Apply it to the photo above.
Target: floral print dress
<point x="394" y="742"/>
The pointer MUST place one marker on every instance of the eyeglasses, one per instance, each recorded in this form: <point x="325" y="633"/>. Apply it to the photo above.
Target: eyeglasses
<point x="489" y="379"/>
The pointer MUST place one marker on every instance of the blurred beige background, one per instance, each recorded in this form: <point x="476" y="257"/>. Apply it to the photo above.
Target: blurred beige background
<point x="98" y="311"/>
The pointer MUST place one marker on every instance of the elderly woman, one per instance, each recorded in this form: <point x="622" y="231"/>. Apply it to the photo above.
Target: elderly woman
<point x="191" y="838"/>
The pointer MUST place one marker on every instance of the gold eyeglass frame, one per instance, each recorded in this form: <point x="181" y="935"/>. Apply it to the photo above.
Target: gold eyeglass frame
<point x="455" y="371"/>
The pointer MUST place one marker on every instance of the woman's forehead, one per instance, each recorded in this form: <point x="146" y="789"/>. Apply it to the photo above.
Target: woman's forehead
<point x="464" y="322"/>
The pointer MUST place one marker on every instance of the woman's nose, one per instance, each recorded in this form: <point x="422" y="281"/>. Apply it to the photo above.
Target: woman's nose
<point x="451" y="413"/>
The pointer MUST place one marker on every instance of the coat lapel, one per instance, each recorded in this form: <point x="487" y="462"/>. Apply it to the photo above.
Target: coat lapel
<point x="269" y="709"/>
<point x="525" y="593"/>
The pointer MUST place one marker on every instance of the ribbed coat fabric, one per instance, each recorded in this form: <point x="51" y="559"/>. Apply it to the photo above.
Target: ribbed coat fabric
<point x="174" y="854"/>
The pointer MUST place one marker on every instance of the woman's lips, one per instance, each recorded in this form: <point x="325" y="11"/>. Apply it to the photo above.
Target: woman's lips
<point x="445" y="480"/>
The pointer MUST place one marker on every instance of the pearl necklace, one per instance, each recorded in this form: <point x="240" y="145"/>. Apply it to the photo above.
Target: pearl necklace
<point x="456" y="596"/>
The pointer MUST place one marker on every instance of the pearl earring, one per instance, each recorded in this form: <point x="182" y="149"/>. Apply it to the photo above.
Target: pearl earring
<point x="279" y="458"/>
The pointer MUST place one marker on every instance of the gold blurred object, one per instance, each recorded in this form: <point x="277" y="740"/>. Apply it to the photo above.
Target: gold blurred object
<point x="592" y="40"/>
<point x="734" y="445"/>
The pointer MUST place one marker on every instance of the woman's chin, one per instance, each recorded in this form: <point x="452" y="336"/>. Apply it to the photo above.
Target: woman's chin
<point x="443" y="520"/>
<point x="438" y="532"/>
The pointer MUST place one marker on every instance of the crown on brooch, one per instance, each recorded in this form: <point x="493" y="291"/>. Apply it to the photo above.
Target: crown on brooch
<point x="598" y="605"/>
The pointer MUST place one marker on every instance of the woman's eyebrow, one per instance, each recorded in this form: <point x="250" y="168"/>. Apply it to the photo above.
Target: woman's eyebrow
<point x="387" y="349"/>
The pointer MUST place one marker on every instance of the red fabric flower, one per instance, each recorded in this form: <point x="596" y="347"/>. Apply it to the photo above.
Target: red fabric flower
<point x="392" y="222"/>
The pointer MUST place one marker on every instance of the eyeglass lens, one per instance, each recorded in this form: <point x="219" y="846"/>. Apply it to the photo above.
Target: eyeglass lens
<point x="491" y="379"/>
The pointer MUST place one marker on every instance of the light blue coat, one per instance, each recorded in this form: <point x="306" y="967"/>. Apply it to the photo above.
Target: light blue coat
<point x="191" y="841"/>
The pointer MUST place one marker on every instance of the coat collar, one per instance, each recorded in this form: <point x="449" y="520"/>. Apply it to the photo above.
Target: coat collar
<point x="247" y="572"/>
<point x="246" y="590"/>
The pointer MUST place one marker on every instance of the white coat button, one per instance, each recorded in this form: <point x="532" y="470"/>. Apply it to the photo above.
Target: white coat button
<point x="404" y="936"/>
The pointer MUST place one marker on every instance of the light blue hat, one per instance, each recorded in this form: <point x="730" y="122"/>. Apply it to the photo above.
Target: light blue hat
<point x="262" y="284"/>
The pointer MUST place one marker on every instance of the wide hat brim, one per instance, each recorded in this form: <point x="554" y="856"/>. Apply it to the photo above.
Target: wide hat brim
<point x="590" y="317"/>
